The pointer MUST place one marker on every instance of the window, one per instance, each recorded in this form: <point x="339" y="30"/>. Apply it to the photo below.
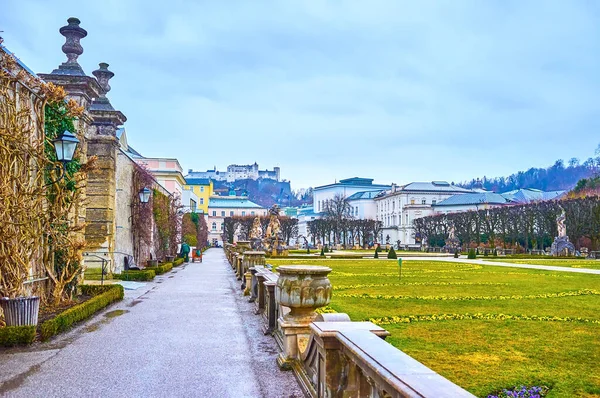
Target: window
<point x="193" y="205"/>
<point x="433" y="202"/>
<point x="201" y="189"/>
<point x="407" y="219"/>
<point x="412" y="201"/>
<point x="231" y="213"/>
<point x="214" y="214"/>
<point x="251" y="213"/>
<point x="243" y="213"/>
<point x="214" y="226"/>
<point x="201" y="201"/>
<point x="423" y="201"/>
<point x="223" y="213"/>
<point x="222" y="226"/>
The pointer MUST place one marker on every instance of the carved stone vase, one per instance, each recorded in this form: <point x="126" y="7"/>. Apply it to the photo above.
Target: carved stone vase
<point x="303" y="289"/>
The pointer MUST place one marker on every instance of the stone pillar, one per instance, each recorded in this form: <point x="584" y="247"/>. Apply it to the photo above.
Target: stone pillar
<point x="80" y="88"/>
<point x="303" y="289"/>
<point x="103" y="143"/>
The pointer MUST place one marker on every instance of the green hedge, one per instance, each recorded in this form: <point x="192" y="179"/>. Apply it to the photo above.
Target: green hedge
<point x="16" y="335"/>
<point x="160" y="269"/>
<point x="177" y="262"/>
<point x="144" y="275"/>
<point x="102" y="297"/>
<point x="95" y="274"/>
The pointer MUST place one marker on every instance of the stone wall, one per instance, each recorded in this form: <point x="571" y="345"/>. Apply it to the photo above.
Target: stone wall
<point x="123" y="197"/>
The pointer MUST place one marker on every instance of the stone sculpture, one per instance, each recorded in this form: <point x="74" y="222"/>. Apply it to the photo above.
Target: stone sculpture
<point x="561" y="245"/>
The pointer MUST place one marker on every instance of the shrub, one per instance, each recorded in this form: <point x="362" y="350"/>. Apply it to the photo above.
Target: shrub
<point x="495" y="253"/>
<point x="102" y="297"/>
<point x="472" y="254"/>
<point x="456" y="254"/>
<point x="485" y="253"/>
<point x="178" y="262"/>
<point x="325" y="249"/>
<point x="160" y="269"/>
<point x="392" y="253"/>
<point x="376" y="254"/>
<point x="322" y="252"/>
<point x="16" y="335"/>
<point x="477" y="252"/>
<point x="135" y="275"/>
<point x="378" y="248"/>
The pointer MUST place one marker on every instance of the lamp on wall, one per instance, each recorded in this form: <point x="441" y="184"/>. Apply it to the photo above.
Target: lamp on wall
<point x="144" y="195"/>
<point x="65" y="146"/>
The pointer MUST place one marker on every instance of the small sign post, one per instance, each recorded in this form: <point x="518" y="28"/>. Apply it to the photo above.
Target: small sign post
<point x="400" y="268"/>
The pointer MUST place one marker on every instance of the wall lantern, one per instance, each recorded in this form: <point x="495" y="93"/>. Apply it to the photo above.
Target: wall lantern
<point x="65" y="146"/>
<point x="144" y="195"/>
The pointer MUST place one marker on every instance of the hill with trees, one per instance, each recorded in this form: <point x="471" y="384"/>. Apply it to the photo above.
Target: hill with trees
<point x="554" y="178"/>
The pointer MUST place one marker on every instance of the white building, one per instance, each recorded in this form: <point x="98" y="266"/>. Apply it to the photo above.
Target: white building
<point x="363" y="204"/>
<point x="346" y="188"/>
<point x="237" y="172"/>
<point x="398" y="207"/>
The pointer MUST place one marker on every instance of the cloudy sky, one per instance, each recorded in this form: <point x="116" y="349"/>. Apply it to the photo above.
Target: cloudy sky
<point x="394" y="90"/>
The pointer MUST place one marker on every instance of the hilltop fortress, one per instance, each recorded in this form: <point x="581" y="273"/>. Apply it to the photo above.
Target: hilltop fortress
<point x="237" y="172"/>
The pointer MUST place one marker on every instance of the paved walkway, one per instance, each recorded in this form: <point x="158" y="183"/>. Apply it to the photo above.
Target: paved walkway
<point x="502" y="264"/>
<point x="189" y="333"/>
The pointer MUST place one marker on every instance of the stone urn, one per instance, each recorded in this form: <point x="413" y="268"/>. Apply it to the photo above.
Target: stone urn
<point x="303" y="289"/>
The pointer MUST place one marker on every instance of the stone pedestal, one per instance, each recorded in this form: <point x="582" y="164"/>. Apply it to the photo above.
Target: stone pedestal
<point x="247" y="283"/>
<point x="302" y="289"/>
<point x="250" y="259"/>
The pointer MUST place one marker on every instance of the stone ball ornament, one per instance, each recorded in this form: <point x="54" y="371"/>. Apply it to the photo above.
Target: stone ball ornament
<point x="303" y="289"/>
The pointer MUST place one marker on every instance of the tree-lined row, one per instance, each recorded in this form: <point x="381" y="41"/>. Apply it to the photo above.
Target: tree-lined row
<point x="530" y="226"/>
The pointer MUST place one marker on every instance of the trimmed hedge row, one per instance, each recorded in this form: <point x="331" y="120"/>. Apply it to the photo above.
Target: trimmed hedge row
<point x="103" y="296"/>
<point x="16" y="335"/>
<point x="143" y="275"/>
<point x="160" y="269"/>
<point x="177" y="262"/>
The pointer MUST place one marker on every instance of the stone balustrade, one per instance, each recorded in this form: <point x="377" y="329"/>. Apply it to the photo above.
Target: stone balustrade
<point x="331" y="355"/>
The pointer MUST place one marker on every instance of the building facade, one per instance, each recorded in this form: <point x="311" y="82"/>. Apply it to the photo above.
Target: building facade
<point x="203" y="189"/>
<point x="221" y="207"/>
<point x="398" y="207"/>
<point x="167" y="171"/>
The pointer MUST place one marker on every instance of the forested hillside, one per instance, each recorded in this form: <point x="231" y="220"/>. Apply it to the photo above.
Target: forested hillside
<point x="556" y="177"/>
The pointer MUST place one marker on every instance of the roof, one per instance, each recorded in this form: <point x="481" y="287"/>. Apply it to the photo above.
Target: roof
<point x="477" y="198"/>
<point x="236" y="202"/>
<point x="528" y="195"/>
<point x="364" y="195"/>
<point x="355" y="182"/>
<point x="434" y="186"/>
<point x="21" y="64"/>
<point x="197" y="181"/>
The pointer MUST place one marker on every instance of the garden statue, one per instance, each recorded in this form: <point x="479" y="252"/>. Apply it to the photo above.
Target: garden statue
<point x="561" y="245"/>
<point x="273" y="241"/>
<point x="255" y="234"/>
<point x="560" y="223"/>
<point x="452" y="243"/>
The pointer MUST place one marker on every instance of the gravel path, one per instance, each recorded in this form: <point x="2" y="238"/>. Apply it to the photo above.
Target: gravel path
<point x="188" y="334"/>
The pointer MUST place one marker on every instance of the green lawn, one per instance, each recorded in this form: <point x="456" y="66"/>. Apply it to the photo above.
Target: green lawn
<point x="456" y="319"/>
<point x="574" y="263"/>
